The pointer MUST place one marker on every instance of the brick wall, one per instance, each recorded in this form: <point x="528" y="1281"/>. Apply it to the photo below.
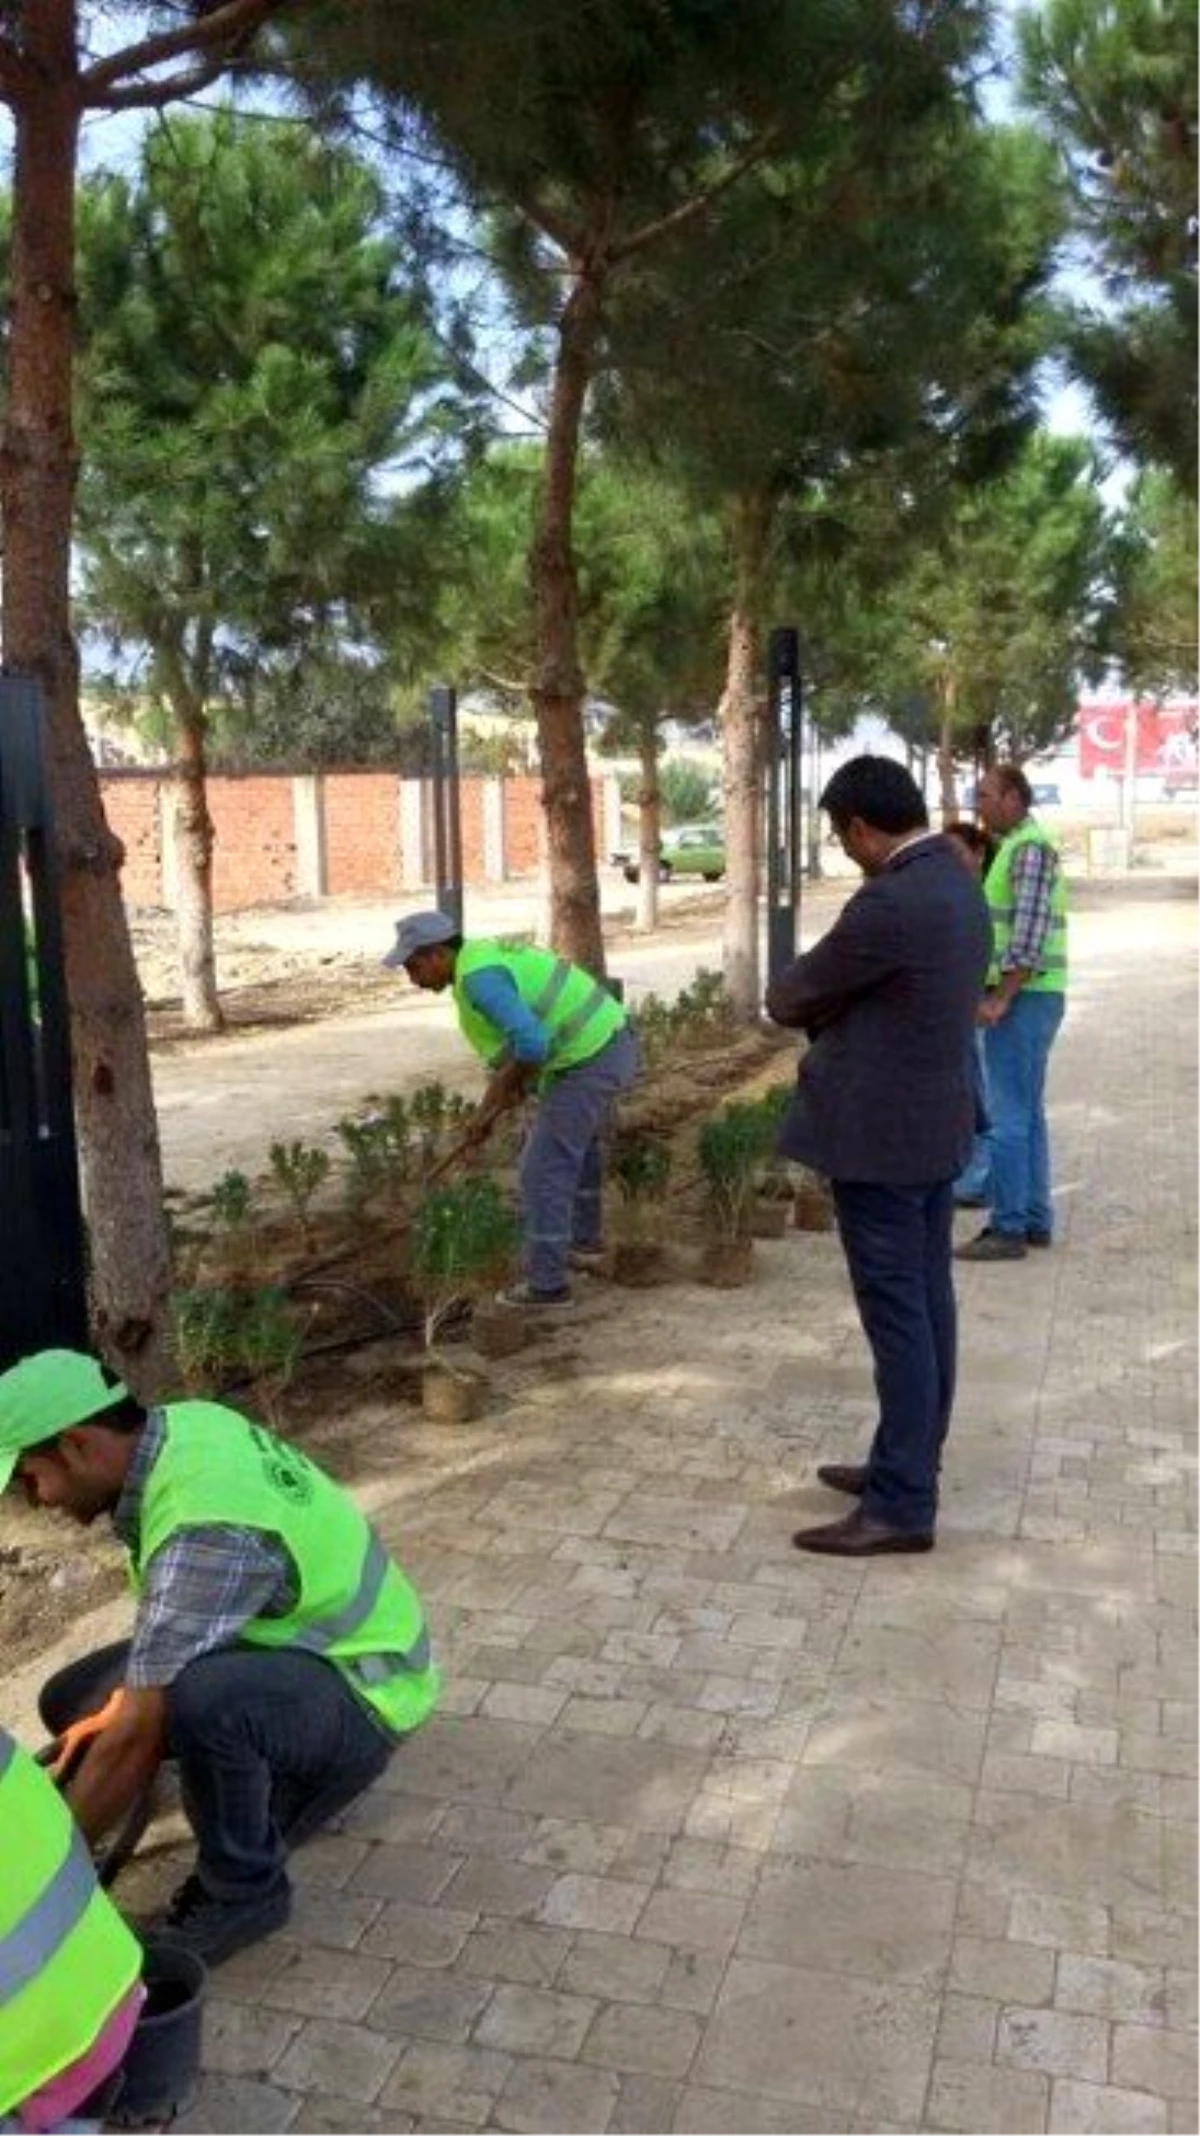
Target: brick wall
<point x="131" y="804"/>
<point x="254" y="860"/>
<point x="362" y="833"/>
<point x="373" y="830"/>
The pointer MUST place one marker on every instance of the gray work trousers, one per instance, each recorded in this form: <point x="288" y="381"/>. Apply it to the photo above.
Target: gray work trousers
<point x="561" y="1168"/>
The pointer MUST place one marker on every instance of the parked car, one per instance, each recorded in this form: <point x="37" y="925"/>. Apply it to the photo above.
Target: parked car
<point x="688" y="849"/>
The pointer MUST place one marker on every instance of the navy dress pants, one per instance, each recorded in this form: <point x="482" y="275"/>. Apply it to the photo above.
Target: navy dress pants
<point x="897" y="1242"/>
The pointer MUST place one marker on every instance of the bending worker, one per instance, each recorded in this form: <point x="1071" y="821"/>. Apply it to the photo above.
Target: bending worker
<point x="542" y="1023"/>
<point x="70" y="1969"/>
<point x="277" y="1653"/>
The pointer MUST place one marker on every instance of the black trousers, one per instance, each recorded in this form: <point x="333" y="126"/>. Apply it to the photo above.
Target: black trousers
<point x="270" y="1745"/>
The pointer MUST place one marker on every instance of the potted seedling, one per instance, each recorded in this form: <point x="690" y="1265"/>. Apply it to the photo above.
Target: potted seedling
<point x="300" y="1172"/>
<point x="773" y="1190"/>
<point x="461" y="1246"/>
<point x="814" y="1203"/>
<point x="231" y="1201"/>
<point x="641" y="1165"/>
<point x="221" y="1335"/>
<point x="378" y="1147"/>
<point x="729" y="1148"/>
<point x="269" y="1339"/>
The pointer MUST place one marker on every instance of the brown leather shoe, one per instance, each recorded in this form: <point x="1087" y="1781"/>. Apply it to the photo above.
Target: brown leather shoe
<point x="846" y="1476"/>
<point x="859" y="1536"/>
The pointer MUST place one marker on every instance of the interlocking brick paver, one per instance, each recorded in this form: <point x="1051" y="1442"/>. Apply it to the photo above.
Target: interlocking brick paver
<point x="1095" y="2108"/>
<point x="708" y="1835"/>
<point x="556" y="2097"/>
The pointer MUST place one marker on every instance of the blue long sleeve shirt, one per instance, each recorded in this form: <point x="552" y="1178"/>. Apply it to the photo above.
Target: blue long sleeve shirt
<point x="493" y="992"/>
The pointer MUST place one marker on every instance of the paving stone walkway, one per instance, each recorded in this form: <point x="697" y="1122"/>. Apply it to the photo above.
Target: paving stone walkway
<point x="710" y="1836"/>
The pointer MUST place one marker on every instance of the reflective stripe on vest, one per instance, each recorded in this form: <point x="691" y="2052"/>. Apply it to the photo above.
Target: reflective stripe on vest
<point x="545" y="1002"/>
<point x="29" y="1947"/>
<point x="324" y="1633"/>
<point x="580" y="1018"/>
<point x="67" y="1959"/>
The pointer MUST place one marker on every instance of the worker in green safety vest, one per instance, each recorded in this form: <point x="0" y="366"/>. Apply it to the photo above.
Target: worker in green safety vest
<point x="1021" y="1015"/>
<point x="541" y="1025"/>
<point x="278" y="1653"/>
<point x="70" y="1968"/>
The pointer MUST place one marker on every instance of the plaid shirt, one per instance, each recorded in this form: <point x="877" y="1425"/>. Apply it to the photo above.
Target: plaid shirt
<point x="202" y="1587"/>
<point x="1034" y="871"/>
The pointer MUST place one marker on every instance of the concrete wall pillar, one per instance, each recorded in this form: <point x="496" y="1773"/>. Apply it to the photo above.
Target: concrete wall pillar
<point x="308" y="812"/>
<point x="495" y="855"/>
<point x="414" y="864"/>
<point x="168" y="851"/>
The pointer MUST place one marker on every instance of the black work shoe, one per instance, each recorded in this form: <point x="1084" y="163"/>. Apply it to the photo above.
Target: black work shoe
<point x="213" y="1929"/>
<point x="859" y="1536"/>
<point x="846" y="1476"/>
<point x="1039" y="1238"/>
<point x="530" y="1300"/>
<point x="992" y="1245"/>
<point x="972" y="1201"/>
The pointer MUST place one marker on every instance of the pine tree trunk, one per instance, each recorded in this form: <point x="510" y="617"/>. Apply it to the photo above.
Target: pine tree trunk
<point x="193" y="866"/>
<point x="742" y="768"/>
<point x="558" y="687"/>
<point x="118" y="1132"/>
<point x="649" y="826"/>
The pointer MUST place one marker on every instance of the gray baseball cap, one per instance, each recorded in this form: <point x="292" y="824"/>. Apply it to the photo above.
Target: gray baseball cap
<point x="421" y="930"/>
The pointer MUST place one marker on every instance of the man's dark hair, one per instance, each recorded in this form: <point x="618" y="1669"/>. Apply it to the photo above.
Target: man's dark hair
<point x="1012" y="780"/>
<point x="878" y="789"/>
<point x="972" y="835"/>
<point x="124" y="1416"/>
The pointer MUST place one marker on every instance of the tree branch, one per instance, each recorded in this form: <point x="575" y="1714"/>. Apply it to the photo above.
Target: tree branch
<point x="153" y="95"/>
<point x="234" y="20"/>
<point x="650" y="232"/>
<point x="545" y="220"/>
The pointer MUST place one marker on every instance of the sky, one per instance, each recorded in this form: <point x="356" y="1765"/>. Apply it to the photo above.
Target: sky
<point x="114" y="140"/>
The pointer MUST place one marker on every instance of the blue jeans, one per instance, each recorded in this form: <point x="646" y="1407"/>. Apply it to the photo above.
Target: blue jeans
<point x="270" y="1746"/>
<point x="974" y="1182"/>
<point x="1017" y="1051"/>
<point x="561" y="1174"/>
<point x="897" y="1243"/>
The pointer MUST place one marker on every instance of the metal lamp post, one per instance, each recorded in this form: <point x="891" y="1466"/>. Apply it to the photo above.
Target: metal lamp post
<point x="785" y="797"/>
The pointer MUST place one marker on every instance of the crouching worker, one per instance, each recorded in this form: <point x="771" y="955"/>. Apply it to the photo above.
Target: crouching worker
<point x="70" y="1969"/>
<point x="540" y="1024"/>
<point x="278" y="1654"/>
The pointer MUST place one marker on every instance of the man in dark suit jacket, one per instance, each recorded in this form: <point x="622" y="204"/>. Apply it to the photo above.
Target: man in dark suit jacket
<point x="885" y="1109"/>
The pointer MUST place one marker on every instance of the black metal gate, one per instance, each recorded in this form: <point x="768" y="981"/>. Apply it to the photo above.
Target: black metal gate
<point x="43" y="1290"/>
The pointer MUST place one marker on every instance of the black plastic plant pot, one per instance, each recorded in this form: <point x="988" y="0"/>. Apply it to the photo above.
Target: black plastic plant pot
<point x="161" y="2071"/>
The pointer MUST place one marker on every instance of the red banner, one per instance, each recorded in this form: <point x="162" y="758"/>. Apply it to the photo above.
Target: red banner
<point x="1166" y="739"/>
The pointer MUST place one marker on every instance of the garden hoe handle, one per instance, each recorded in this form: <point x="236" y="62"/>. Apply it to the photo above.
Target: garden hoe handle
<point x="453" y="1157"/>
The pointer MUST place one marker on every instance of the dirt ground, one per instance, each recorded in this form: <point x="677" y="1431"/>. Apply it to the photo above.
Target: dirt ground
<point x="262" y="983"/>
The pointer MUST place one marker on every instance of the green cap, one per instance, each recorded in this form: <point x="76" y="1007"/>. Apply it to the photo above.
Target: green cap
<point x="46" y="1393"/>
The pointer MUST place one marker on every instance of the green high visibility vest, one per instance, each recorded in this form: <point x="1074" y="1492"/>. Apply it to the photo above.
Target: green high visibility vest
<point x="578" y="1014"/>
<point x="67" y="1959"/>
<point x="355" y="1607"/>
<point x="998" y="889"/>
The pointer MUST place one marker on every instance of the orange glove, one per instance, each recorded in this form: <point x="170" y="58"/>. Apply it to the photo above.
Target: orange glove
<point x="61" y="1757"/>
